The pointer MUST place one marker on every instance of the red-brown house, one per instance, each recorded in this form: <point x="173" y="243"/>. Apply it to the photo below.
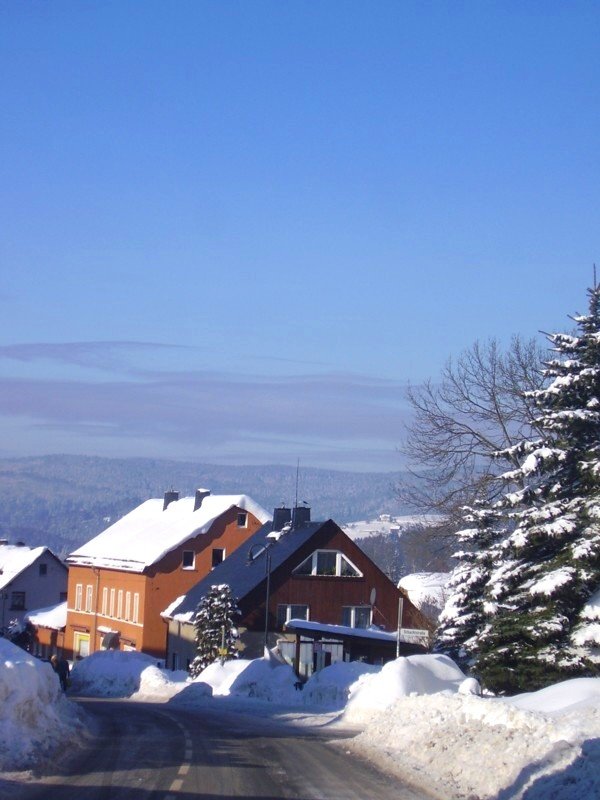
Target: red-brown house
<point x="302" y="571"/>
<point x="121" y="580"/>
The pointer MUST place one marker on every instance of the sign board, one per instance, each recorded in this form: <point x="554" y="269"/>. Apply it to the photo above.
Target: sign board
<point x="414" y="635"/>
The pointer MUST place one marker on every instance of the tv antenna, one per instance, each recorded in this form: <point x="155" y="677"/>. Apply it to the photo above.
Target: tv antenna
<point x="297" y="478"/>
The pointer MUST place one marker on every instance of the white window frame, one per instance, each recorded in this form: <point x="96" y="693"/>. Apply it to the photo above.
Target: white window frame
<point x="89" y="598"/>
<point x="104" y="601"/>
<point x="288" y="611"/>
<point x="111" y="605"/>
<point x="242" y="519"/>
<point x="136" y="607"/>
<point x="314" y="557"/>
<point x="188" y="566"/>
<point x="127" y="606"/>
<point x="120" y="604"/>
<point x="78" y="596"/>
<point x="353" y="610"/>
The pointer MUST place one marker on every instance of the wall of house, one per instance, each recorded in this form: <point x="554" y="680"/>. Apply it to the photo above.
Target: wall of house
<point x="47" y="642"/>
<point x="161" y="583"/>
<point x="326" y="595"/>
<point x="41" y="590"/>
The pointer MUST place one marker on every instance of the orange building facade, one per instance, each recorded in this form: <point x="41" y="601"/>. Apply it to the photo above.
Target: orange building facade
<point x="116" y="603"/>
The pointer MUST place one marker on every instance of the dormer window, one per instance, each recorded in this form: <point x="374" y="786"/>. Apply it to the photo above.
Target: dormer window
<point x="328" y="562"/>
<point x="242" y="520"/>
<point x="188" y="560"/>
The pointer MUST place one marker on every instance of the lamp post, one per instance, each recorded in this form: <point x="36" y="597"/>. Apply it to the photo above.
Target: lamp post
<point x="253" y="553"/>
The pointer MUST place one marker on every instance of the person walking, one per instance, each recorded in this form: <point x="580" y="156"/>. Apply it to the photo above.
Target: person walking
<point x="61" y="667"/>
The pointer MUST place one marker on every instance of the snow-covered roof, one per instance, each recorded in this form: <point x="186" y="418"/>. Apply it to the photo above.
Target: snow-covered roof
<point x="340" y="631"/>
<point x="15" y="559"/>
<point x="241" y="573"/>
<point x="426" y="588"/>
<point x="54" y="617"/>
<point x="147" y="533"/>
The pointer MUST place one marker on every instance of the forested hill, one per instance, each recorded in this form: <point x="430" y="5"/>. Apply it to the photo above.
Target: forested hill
<point x="62" y="501"/>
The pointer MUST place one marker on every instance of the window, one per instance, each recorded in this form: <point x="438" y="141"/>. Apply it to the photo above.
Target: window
<point x="17" y="601"/>
<point x="136" y="607"/>
<point x="81" y="644"/>
<point x="111" y="607"/>
<point x="328" y="562"/>
<point x="88" y="597"/>
<point x="242" y="520"/>
<point x="218" y="555"/>
<point x="356" y="616"/>
<point x="104" y="601"/>
<point x="188" y="559"/>
<point x="78" y="596"/>
<point x="120" y="604"/>
<point x="43" y="570"/>
<point x="287" y="612"/>
<point x="127" y="606"/>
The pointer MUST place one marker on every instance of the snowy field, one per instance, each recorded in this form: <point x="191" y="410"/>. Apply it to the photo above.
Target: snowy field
<point x="417" y="717"/>
<point x="388" y="524"/>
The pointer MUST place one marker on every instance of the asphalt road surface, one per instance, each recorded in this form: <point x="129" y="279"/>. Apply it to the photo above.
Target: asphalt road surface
<point x="155" y="752"/>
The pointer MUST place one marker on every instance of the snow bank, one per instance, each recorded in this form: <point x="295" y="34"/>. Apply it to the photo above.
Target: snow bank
<point x="114" y="673"/>
<point x="424" y="674"/>
<point x="36" y="720"/>
<point x="261" y="678"/>
<point x="536" y="746"/>
<point x="331" y="686"/>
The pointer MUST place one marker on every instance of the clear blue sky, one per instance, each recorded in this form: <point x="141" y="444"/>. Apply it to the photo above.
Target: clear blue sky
<point x="234" y="231"/>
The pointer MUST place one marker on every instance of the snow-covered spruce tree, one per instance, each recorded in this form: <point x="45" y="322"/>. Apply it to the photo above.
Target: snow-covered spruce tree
<point x="214" y="624"/>
<point x="541" y="621"/>
<point x="463" y="617"/>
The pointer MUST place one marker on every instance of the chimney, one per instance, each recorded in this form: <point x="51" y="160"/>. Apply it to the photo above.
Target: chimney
<point x="300" y="516"/>
<point x="170" y="497"/>
<point x="280" y="517"/>
<point x="200" y="495"/>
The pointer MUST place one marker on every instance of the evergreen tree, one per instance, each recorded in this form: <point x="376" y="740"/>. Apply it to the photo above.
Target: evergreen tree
<point x="539" y="625"/>
<point x="463" y="617"/>
<point x="214" y="624"/>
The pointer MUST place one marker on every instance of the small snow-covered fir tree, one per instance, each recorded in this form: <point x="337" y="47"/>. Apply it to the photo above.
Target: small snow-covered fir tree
<point x="463" y="616"/>
<point x="214" y="623"/>
<point x="541" y="620"/>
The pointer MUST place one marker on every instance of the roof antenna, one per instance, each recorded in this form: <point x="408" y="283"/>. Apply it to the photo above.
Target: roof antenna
<point x="595" y="281"/>
<point x="297" y="475"/>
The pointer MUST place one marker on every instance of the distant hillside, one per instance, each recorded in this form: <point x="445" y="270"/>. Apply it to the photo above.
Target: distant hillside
<point x="62" y="501"/>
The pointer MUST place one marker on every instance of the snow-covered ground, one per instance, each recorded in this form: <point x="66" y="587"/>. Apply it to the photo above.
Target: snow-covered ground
<point x="418" y="717"/>
<point x="388" y="524"/>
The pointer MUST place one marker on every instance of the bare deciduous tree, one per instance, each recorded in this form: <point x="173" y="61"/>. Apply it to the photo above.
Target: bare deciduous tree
<point x="477" y="408"/>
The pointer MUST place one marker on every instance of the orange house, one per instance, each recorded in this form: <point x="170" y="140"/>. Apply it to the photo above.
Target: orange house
<point x="120" y="581"/>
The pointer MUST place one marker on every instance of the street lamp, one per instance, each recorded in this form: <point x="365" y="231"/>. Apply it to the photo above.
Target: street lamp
<point x="253" y="553"/>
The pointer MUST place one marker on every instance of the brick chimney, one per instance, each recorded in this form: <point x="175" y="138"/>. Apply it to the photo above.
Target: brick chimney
<point x="170" y="497"/>
<point x="300" y="516"/>
<point x="200" y="495"/>
<point x="281" y="516"/>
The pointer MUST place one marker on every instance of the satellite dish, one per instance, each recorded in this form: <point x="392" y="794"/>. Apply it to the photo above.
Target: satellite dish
<point x="372" y="596"/>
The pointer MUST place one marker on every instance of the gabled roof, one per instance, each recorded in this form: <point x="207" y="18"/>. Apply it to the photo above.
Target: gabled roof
<point x="15" y="559"/>
<point x="241" y="573"/>
<point x="148" y="533"/>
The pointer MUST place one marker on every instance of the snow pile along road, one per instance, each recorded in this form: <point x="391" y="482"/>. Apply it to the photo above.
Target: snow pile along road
<point x="115" y="673"/>
<point x="536" y="746"/>
<point x="36" y="720"/>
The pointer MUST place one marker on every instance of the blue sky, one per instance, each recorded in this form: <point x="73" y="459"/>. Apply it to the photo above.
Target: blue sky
<point x="234" y="231"/>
